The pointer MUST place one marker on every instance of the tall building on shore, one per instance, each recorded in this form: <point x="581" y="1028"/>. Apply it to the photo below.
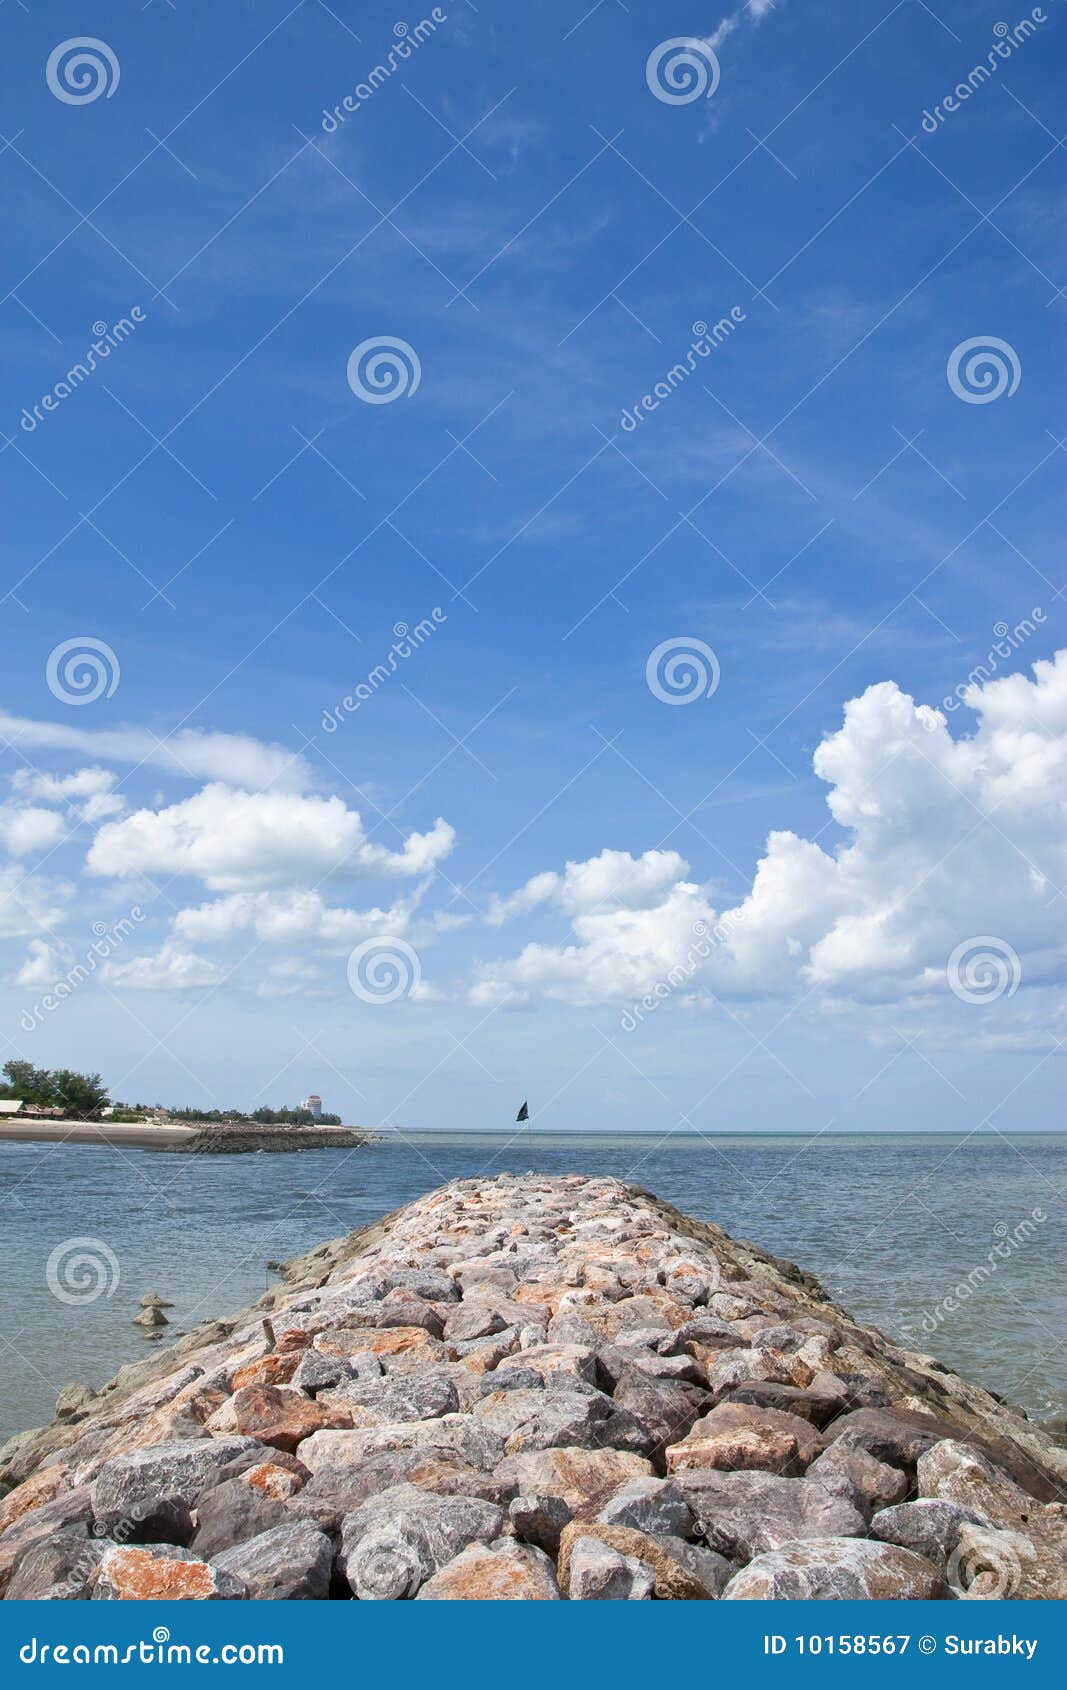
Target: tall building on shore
<point x="313" y="1104"/>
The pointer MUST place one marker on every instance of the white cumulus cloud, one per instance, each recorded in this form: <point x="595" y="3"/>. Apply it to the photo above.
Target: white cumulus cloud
<point x="88" y="792"/>
<point x="26" y="828"/>
<point x="290" y="918"/>
<point x="170" y="970"/>
<point x="946" y="839"/>
<point x="237" y="841"/>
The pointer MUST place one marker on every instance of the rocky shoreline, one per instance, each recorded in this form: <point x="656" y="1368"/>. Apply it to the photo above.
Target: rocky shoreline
<point x="535" y="1388"/>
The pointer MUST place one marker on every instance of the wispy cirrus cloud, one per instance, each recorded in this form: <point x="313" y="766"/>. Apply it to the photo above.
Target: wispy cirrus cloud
<point x="193" y="753"/>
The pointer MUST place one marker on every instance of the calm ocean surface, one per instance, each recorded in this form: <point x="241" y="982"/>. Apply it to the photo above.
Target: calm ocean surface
<point x="891" y="1225"/>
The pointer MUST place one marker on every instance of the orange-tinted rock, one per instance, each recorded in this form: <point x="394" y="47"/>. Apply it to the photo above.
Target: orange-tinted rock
<point x="740" y="1437"/>
<point x="585" y="1478"/>
<point x="43" y="1487"/>
<point x="385" y="1341"/>
<point x="674" y="1582"/>
<point x="548" y="1296"/>
<point x="274" y="1369"/>
<point x="740" y="1449"/>
<point x="273" y="1481"/>
<point x="294" y="1338"/>
<point x="507" y="1572"/>
<point x="276" y="1415"/>
<point x="161" y="1575"/>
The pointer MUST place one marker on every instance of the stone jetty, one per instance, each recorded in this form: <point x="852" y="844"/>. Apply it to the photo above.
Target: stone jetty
<point x="533" y="1388"/>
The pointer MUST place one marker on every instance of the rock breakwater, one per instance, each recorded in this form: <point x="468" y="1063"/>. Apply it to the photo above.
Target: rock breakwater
<point x="247" y="1140"/>
<point x="535" y="1388"/>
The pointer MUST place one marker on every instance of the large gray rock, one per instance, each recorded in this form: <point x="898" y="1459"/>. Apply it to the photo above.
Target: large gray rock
<point x="837" y="1569"/>
<point x="665" y="1409"/>
<point x="456" y="1437"/>
<point x="600" y="1574"/>
<point x="894" y="1436"/>
<point x="420" y="1282"/>
<point x="555" y="1363"/>
<point x="56" y="1568"/>
<point x="707" y="1329"/>
<point x="179" y="1471"/>
<point x="475" y="1320"/>
<point x="957" y="1472"/>
<point x="337" y="1491"/>
<point x="316" y="1372"/>
<point x="539" y="1520"/>
<point x="414" y="1396"/>
<point x="859" y="1477"/>
<point x="70" y="1510"/>
<point x="392" y="1545"/>
<point x="815" y="1404"/>
<point x="401" y="1308"/>
<point x="558" y="1417"/>
<point x="291" y="1563"/>
<point x="233" y="1512"/>
<point x="929" y="1526"/>
<point x="711" y="1571"/>
<point x="650" y="1505"/>
<point x="746" y="1514"/>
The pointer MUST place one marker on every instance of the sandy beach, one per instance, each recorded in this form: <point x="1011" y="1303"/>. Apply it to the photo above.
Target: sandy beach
<point x="138" y="1134"/>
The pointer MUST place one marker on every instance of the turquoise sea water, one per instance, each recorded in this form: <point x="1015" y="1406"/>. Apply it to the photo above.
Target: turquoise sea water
<point x="892" y="1225"/>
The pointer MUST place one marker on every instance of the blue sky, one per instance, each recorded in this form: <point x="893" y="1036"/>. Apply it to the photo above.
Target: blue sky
<point x="815" y="501"/>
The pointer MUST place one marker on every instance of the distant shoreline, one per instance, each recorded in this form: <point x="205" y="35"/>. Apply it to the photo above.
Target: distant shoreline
<point x="140" y="1134"/>
<point x="173" y="1135"/>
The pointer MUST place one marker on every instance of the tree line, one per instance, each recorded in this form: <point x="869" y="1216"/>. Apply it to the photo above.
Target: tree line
<point x="83" y="1096"/>
<point x="77" y="1095"/>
